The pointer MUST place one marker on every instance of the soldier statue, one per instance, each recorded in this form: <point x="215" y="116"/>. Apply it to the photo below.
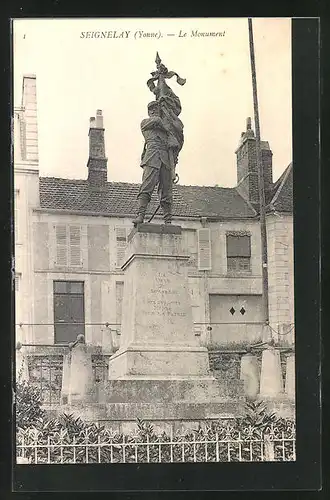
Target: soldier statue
<point x="163" y="135"/>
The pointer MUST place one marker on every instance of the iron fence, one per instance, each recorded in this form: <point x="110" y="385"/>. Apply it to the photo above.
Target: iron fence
<point x="45" y="373"/>
<point x="225" y="445"/>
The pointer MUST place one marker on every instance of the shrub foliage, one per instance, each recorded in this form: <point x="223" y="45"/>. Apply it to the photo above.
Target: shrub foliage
<point x="64" y="439"/>
<point x="28" y="402"/>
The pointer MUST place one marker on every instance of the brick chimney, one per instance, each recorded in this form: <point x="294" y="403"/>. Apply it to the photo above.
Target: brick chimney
<point x="97" y="161"/>
<point x="247" y="173"/>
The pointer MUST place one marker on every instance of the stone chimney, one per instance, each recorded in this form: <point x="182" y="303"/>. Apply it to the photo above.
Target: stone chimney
<point x="247" y="173"/>
<point x="26" y="122"/>
<point x="97" y="161"/>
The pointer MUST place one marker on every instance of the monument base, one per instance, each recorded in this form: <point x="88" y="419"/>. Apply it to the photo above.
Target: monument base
<point x="161" y="373"/>
<point x="159" y="360"/>
<point x="170" y="390"/>
<point x="165" y="417"/>
<point x="168" y="404"/>
<point x="172" y="400"/>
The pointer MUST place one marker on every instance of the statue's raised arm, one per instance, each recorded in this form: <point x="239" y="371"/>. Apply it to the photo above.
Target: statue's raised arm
<point x="170" y="105"/>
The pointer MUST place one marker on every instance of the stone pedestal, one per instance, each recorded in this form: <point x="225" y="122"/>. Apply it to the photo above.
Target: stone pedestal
<point x="250" y="375"/>
<point x="271" y="381"/>
<point x="22" y="368"/>
<point x="160" y="363"/>
<point x="81" y="387"/>
<point x="290" y="377"/>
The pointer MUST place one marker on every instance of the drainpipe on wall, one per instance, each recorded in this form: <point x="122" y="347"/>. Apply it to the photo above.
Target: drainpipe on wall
<point x="207" y="332"/>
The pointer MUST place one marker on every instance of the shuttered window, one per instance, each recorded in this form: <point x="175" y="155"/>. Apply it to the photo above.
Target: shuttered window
<point x="204" y="249"/>
<point x="17" y="281"/>
<point x="22" y="126"/>
<point x="121" y="244"/>
<point x="68" y="246"/>
<point x="238" y="253"/>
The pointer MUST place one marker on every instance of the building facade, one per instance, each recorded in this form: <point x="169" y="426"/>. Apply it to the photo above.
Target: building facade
<point x="70" y="239"/>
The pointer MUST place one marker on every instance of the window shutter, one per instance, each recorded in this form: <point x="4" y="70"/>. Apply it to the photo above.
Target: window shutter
<point x="22" y="126"/>
<point x="121" y="240"/>
<point x="204" y="249"/>
<point x="75" y="246"/>
<point x="61" y="246"/>
<point x="17" y="282"/>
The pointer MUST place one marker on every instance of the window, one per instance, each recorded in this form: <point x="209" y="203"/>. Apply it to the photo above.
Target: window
<point x="69" y="315"/>
<point x="121" y="244"/>
<point x="68" y="246"/>
<point x="238" y="253"/>
<point x="204" y="249"/>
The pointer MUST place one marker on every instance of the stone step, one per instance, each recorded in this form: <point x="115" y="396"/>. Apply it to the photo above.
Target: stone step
<point x="173" y="411"/>
<point x="203" y="390"/>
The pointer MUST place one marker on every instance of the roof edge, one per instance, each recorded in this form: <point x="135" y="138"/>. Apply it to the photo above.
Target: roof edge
<point x="89" y="213"/>
<point x="279" y="189"/>
<point x="246" y="201"/>
<point x="65" y="179"/>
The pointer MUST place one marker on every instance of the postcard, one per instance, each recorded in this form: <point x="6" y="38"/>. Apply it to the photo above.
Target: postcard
<point x="154" y="241"/>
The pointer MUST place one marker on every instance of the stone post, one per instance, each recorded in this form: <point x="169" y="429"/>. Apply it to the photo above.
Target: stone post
<point x="22" y="368"/>
<point x="290" y="377"/>
<point x="250" y="375"/>
<point x="66" y="372"/>
<point x="107" y="340"/>
<point x="81" y="373"/>
<point x="271" y="382"/>
<point x="269" y="451"/>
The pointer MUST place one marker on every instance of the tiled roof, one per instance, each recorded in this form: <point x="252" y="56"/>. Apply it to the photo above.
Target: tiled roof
<point x="119" y="198"/>
<point x="282" y="199"/>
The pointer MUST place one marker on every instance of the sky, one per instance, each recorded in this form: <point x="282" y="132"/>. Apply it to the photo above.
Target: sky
<point x="77" y="75"/>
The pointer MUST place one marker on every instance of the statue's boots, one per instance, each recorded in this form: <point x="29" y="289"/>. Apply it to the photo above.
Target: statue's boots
<point x="143" y="203"/>
<point x="167" y="212"/>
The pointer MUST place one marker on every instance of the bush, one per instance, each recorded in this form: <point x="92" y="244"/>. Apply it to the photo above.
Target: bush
<point x="238" y="439"/>
<point x="28" y="402"/>
<point x="220" y="440"/>
<point x="258" y="416"/>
